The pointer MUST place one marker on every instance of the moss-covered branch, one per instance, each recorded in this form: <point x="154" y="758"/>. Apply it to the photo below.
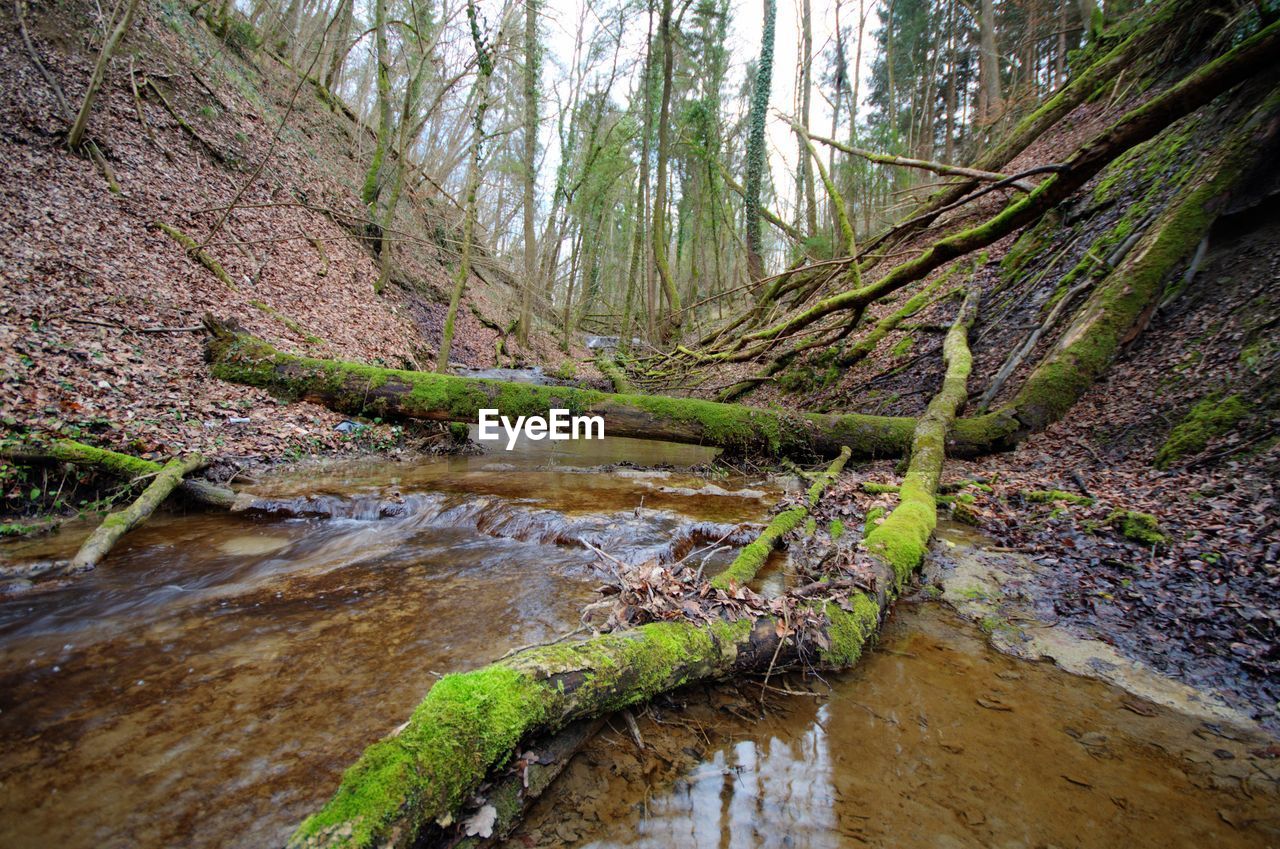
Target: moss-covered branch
<point x="117" y="524"/>
<point x="1122" y="302"/>
<point x="367" y="390"/>
<point x="749" y="561"/>
<point x="1250" y="57"/>
<point x="123" y="466"/>
<point x="470" y="724"/>
<point x="903" y="537"/>
<point x="197" y="253"/>
<point x="610" y="368"/>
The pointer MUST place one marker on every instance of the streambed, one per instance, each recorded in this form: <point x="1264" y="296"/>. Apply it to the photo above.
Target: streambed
<point x="209" y="683"/>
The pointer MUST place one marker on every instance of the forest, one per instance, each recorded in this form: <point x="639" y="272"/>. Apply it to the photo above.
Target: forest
<point x="639" y="423"/>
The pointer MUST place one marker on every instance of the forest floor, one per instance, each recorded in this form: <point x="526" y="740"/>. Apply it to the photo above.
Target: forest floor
<point x="100" y="308"/>
<point x="1202" y="604"/>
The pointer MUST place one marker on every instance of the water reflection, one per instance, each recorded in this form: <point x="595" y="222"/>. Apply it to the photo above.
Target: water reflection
<point x="933" y="740"/>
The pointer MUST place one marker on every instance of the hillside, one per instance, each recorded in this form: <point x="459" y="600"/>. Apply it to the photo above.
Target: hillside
<point x="99" y="331"/>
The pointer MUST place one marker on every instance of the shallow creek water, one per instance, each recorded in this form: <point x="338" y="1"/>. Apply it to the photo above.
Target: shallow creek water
<point x="207" y="685"/>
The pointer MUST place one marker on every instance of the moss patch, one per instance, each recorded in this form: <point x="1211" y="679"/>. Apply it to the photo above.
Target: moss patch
<point x="1207" y="420"/>
<point x="1050" y="496"/>
<point x="1139" y="527"/>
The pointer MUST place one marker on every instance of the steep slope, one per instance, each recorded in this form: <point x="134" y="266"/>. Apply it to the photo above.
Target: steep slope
<point x="99" y="297"/>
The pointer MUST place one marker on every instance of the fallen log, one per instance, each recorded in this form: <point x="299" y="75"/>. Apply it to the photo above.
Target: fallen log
<point x="501" y="805"/>
<point x="1151" y="32"/>
<point x="1250" y="58"/>
<point x="115" y="464"/>
<point x="744" y="567"/>
<point x="468" y="724"/>
<point x="903" y="537"/>
<point x="357" y="389"/>
<point x="610" y="368"/>
<point x="1122" y="302"/>
<point x="117" y="524"/>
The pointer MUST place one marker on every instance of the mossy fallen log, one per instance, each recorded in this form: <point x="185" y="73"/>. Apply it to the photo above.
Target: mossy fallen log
<point x="117" y="524"/>
<point x="1122" y="302"/>
<point x="610" y="368"/>
<point x="113" y="463"/>
<point x="404" y="785"/>
<point x="1155" y="29"/>
<point x="1254" y="56"/>
<point x="744" y="567"/>
<point x="357" y="389"/>
<point x="903" y="537"/>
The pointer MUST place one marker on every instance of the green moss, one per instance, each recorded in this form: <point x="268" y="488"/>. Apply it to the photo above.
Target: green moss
<point x="735" y="428"/>
<point x="465" y="725"/>
<point x="567" y="370"/>
<point x="836" y="529"/>
<point x="873" y="516"/>
<point x="1139" y="527"/>
<point x="903" y="538"/>
<point x="902" y="347"/>
<point x="849" y="630"/>
<point x="873" y="488"/>
<point x="1210" y="418"/>
<point x="1117" y="303"/>
<point x="197" y="253"/>
<point x="287" y="322"/>
<point x="1049" y="496"/>
<point x="991" y="624"/>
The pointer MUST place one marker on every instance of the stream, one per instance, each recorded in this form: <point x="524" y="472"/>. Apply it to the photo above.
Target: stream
<point x="207" y="685"/>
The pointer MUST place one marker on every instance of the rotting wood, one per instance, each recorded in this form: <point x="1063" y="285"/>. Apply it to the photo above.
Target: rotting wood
<point x="116" y="525"/>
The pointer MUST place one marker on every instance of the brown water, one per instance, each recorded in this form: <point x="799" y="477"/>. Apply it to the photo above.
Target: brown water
<point x="207" y="684"/>
<point x="934" y="740"/>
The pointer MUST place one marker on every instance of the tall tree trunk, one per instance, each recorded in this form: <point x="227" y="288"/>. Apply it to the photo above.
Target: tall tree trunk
<point x="531" y="64"/>
<point x="806" y="86"/>
<point x="341" y="45"/>
<point x="372" y="188"/>
<point x="990" y="103"/>
<point x="484" y="74"/>
<point x="756" y="153"/>
<point x="659" y="230"/>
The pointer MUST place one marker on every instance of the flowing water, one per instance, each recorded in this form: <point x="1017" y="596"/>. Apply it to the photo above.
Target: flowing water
<point x="207" y="685"/>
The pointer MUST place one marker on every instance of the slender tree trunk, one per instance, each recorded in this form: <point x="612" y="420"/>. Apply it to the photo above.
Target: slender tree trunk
<point x="756" y="153"/>
<point x="806" y="86"/>
<point x="990" y="103"/>
<point x="659" y="230"/>
<point x="341" y="45"/>
<point x="531" y="65"/>
<point x="75" y="138"/>
<point x="373" y="178"/>
<point x="484" y="75"/>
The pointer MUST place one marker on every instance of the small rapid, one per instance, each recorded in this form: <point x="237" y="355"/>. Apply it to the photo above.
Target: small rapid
<point x="209" y="682"/>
